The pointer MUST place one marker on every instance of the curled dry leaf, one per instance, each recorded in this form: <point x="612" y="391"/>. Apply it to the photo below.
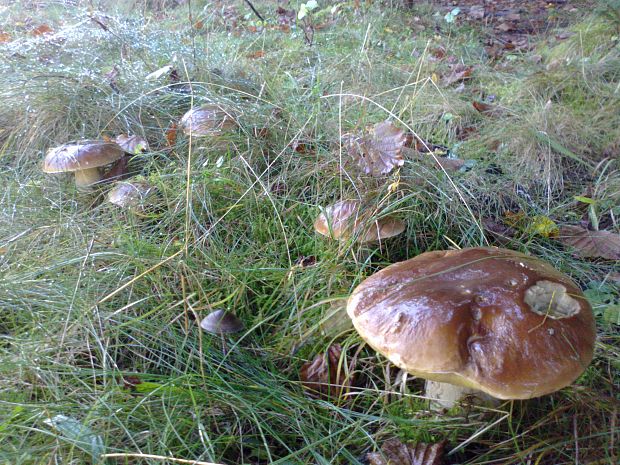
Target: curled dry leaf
<point x="324" y="376"/>
<point x="379" y="151"/>
<point x="458" y="73"/>
<point x="486" y="109"/>
<point x="394" y="452"/>
<point x="591" y="244"/>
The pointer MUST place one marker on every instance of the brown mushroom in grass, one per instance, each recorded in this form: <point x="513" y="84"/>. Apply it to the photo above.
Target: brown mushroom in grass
<point x="207" y="120"/>
<point x="84" y="159"/>
<point x="477" y="320"/>
<point x="345" y="220"/>
<point x="132" y="144"/>
<point x="133" y="195"/>
<point x="221" y="322"/>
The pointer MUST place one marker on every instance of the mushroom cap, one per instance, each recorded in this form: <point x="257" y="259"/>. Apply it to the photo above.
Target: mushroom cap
<point x="132" y="144"/>
<point x="81" y="155"/>
<point x="490" y="319"/>
<point x="344" y="220"/>
<point x="207" y="120"/>
<point x="221" y="322"/>
<point x="130" y="194"/>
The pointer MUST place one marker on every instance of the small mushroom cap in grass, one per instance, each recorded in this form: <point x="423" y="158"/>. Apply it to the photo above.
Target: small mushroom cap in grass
<point x="84" y="158"/>
<point x="221" y="322"/>
<point x="132" y="195"/>
<point x="490" y="319"/>
<point x="132" y="144"/>
<point x="345" y="220"/>
<point x="207" y="120"/>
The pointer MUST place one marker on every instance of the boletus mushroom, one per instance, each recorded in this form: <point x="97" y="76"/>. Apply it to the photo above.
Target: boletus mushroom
<point x="135" y="195"/>
<point x="221" y="322"/>
<point x="207" y="120"/>
<point x="132" y="144"/>
<point x="345" y="220"/>
<point x="477" y="320"/>
<point x="84" y="159"/>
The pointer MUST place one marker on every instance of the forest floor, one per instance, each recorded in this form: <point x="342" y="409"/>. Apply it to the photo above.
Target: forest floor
<point x="507" y="129"/>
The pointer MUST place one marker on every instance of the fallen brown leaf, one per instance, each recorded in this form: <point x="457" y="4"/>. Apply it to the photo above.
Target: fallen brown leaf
<point x="324" y="376"/>
<point x="591" y="244"/>
<point x="394" y="452"/>
<point x="171" y="134"/>
<point x="41" y="29"/>
<point x="458" y="73"/>
<point x="256" y="54"/>
<point x="379" y="151"/>
<point x="486" y="109"/>
<point x="4" y="37"/>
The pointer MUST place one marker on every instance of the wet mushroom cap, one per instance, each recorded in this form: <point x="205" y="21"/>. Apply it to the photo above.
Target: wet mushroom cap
<point x="221" y="322"/>
<point x="489" y="319"/>
<point x="344" y="219"/>
<point x="130" y="194"/>
<point x="207" y="120"/>
<point x="81" y="155"/>
<point x="132" y="144"/>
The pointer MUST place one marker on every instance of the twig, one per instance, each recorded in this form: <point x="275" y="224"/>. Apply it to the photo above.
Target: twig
<point x="254" y="10"/>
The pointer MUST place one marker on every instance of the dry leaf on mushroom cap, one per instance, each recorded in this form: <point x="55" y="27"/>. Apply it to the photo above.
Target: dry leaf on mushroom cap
<point x="378" y="151"/>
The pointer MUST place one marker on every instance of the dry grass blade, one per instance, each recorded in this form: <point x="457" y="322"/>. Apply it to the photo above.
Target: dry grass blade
<point x="380" y="151"/>
<point x="394" y="452"/>
<point x="591" y="244"/>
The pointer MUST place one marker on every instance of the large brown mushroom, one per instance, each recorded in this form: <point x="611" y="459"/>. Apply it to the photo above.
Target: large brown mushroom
<point x="221" y="322"/>
<point x="346" y="219"/>
<point x="84" y="158"/>
<point x="478" y="319"/>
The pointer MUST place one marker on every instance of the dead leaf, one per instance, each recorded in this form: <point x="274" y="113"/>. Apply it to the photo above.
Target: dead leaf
<point x="500" y="232"/>
<point x="4" y="37"/>
<point x="199" y="25"/>
<point x="325" y="376"/>
<point x="159" y="73"/>
<point x="486" y="109"/>
<point x="458" y="73"/>
<point x="132" y="144"/>
<point x="394" y="452"/>
<point x="41" y="29"/>
<point x="285" y="17"/>
<point x="171" y="134"/>
<point x="476" y="12"/>
<point x="379" y="151"/>
<point x="591" y="244"/>
<point x="256" y="54"/>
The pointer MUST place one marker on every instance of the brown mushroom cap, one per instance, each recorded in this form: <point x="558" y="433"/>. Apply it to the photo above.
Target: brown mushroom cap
<point x="132" y="144"/>
<point x="221" y="322"/>
<point x="131" y="195"/>
<point x="490" y="319"/>
<point x="81" y="155"/>
<point x="344" y="220"/>
<point x="207" y="120"/>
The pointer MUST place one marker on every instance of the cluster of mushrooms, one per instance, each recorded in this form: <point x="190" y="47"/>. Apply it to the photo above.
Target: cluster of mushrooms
<point x="479" y="323"/>
<point x="87" y="159"/>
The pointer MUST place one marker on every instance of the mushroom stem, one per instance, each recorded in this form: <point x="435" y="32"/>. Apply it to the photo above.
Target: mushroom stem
<point x="84" y="179"/>
<point x="446" y="396"/>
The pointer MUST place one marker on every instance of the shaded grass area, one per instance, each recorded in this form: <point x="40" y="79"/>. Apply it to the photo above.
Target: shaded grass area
<point x="100" y="308"/>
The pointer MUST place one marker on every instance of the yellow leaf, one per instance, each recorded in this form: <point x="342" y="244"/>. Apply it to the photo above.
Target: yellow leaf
<point x="543" y="226"/>
<point x="435" y="78"/>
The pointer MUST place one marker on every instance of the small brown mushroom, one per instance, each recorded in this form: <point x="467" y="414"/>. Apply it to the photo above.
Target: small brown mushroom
<point x="345" y="220"/>
<point x="477" y="319"/>
<point x="132" y="195"/>
<point x="221" y="322"/>
<point x="84" y="158"/>
<point x="132" y="144"/>
<point x="207" y="120"/>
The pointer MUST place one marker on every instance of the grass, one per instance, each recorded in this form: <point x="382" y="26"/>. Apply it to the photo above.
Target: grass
<point x="100" y="308"/>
